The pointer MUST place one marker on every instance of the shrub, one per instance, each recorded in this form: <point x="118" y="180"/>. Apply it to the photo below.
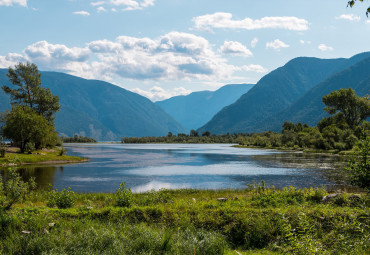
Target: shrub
<point x="123" y="196"/>
<point x="2" y="148"/>
<point x="14" y="189"/>
<point x="61" y="199"/>
<point x="359" y="165"/>
<point x="30" y="147"/>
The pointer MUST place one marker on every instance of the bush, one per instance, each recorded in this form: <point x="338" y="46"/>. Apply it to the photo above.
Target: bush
<point x="63" y="199"/>
<point x="14" y="189"/>
<point x="29" y="148"/>
<point x="359" y="165"/>
<point x="2" y="148"/>
<point x="123" y="196"/>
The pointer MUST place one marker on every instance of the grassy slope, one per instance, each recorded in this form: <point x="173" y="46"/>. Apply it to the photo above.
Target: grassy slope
<point x="253" y="221"/>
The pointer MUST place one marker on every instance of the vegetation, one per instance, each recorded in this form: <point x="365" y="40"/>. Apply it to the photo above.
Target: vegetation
<point x="78" y="139"/>
<point x="30" y="124"/>
<point x="2" y="147"/>
<point x="352" y="3"/>
<point x="359" y="166"/>
<point x="14" y="157"/>
<point x="256" y="220"/>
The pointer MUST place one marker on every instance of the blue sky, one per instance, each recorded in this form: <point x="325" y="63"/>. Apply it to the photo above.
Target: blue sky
<point x="163" y="48"/>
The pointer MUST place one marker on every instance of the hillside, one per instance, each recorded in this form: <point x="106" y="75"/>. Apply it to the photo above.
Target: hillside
<point x="275" y="92"/>
<point x="100" y="110"/>
<point x="309" y="108"/>
<point x="196" y="109"/>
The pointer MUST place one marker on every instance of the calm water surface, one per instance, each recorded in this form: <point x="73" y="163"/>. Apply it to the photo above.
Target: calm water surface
<point x="205" y="166"/>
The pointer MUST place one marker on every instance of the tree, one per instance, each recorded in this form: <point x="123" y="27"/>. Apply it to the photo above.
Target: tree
<point x="351" y="3"/>
<point x="27" y="90"/>
<point x="359" y="165"/>
<point x="354" y="109"/>
<point x="23" y="125"/>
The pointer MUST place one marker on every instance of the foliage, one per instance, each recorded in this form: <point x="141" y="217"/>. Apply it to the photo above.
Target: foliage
<point x="78" y="139"/>
<point x="2" y="147"/>
<point x="23" y="125"/>
<point x="123" y="196"/>
<point x="62" y="199"/>
<point x="27" y="90"/>
<point x="353" y="108"/>
<point x="14" y="189"/>
<point x="359" y="165"/>
<point x="351" y="3"/>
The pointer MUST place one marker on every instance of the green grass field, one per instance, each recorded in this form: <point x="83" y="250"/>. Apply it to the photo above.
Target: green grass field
<point x="250" y="221"/>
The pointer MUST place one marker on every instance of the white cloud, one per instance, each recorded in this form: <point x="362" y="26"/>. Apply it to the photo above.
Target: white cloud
<point x="304" y="42"/>
<point x="98" y="3"/>
<point x="157" y="93"/>
<point x="276" y="45"/>
<point x="350" y="17"/>
<point x="254" y="42"/>
<point x="170" y="57"/>
<point x="367" y="22"/>
<point x="11" y="2"/>
<point x="130" y="5"/>
<point x="11" y="60"/>
<point x="322" y="47"/>
<point x="224" y="20"/>
<point x="235" y="48"/>
<point x="83" y="13"/>
<point x="101" y="9"/>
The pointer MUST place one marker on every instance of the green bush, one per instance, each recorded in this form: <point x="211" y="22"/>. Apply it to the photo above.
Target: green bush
<point x="30" y="147"/>
<point x="14" y="189"/>
<point x="61" y="199"/>
<point x="123" y="196"/>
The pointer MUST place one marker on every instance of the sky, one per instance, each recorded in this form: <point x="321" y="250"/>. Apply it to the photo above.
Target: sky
<point x="164" y="48"/>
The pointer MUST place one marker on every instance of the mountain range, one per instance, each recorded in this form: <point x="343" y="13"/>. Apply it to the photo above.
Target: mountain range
<point x="291" y="93"/>
<point x="196" y="109"/>
<point x="99" y="109"/>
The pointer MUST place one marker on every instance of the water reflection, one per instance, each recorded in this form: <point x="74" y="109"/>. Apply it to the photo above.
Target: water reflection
<point x="207" y="166"/>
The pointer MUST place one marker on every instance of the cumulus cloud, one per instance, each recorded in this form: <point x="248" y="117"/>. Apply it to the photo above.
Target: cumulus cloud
<point x="157" y="93"/>
<point x="276" y="45"/>
<point x="224" y="20"/>
<point x="12" y="2"/>
<point x="235" y="48"/>
<point x="82" y="13"/>
<point x="367" y="22"/>
<point x="322" y="47"/>
<point x="173" y="56"/>
<point x="254" y="42"/>
<point x="126" y="5"/>
<point x="101" y="9"/>
<point x="350" y="17"/>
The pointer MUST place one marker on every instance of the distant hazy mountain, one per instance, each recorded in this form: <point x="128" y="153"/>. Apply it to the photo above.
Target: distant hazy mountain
<point x="309" y="108"/>
<point x="196" y="109"/>
<point x="99" y="109"/>
<point x="276" y="92"/>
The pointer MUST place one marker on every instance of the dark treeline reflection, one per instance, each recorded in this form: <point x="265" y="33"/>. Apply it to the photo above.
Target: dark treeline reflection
<point x="44" y="175"/>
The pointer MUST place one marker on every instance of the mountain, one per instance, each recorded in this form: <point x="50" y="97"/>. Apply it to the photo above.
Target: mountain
<point x="275" y="92"/>
<point x="100" y="110"/>
<point x="196" y="109"/>
<point x="309" y="108"/>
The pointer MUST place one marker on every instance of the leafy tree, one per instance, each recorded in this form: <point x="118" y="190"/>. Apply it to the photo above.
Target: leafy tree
<point x="351" y="3"/>
<point x="24" y="125"/>
<point x="27" y="90"/>
<point x="359" y="165"/>
<point x="354" y="109"/>
<point x="194" y="133"/>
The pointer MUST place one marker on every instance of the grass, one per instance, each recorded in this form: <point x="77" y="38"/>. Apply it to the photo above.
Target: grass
<point x="257" y="220"/>
<point x="14" y="157"/>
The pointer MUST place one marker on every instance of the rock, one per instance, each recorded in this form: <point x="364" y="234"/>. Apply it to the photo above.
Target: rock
<point x="51" y="224"/>
<point x="194" y="200"/>
<point x="89" y="207"/>
<point x="330" y="197"/>
<point x="26" y="232"/>
<point x="222" y="199"/>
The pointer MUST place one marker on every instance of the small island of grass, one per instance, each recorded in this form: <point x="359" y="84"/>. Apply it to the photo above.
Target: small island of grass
<point x="45" y="156"/>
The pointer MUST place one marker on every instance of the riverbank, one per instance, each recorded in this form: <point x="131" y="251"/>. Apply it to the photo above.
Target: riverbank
<point x="46" y="156"/>
<point x="252" y="221"/>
